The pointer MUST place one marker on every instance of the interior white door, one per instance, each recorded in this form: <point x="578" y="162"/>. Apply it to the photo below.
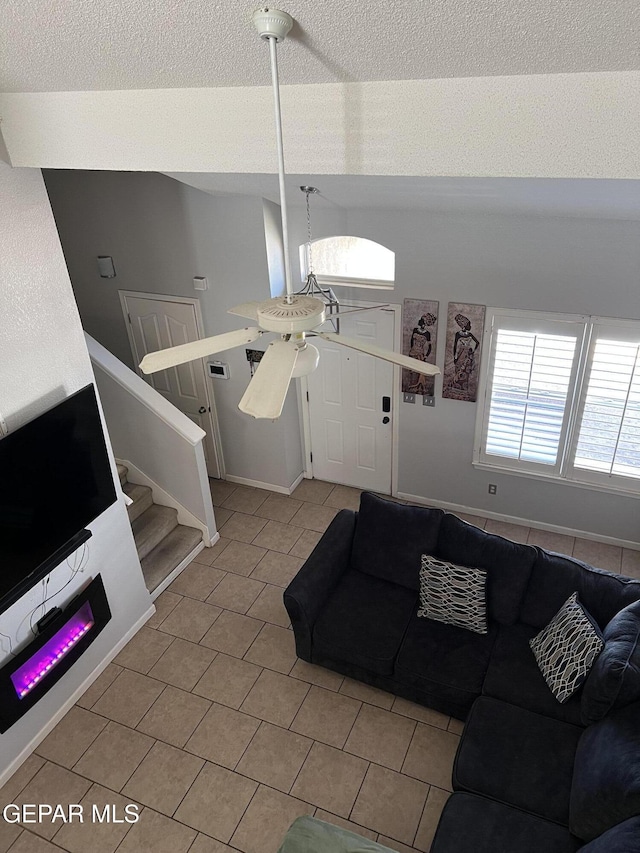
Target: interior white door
<point x="350" y="441"/>
<point x="156" y="324"/>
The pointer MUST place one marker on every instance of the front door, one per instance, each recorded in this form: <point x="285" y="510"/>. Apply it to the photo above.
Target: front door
<point x="157" y="323"/>
<point x="350" y="442"/>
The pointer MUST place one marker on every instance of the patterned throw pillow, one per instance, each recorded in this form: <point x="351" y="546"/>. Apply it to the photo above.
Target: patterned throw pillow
<point x="455" y="595"/>
<point x="566" y="649"/>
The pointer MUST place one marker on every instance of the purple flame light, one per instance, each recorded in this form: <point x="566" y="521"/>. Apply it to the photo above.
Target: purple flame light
<point x="31" y="673"/>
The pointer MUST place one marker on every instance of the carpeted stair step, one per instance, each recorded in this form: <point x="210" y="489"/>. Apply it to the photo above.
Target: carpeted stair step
<point x="152" y="526"/>
<point x="122" y="473"/>
<point x="142" y="499"/>
<point x="168" y="554"/>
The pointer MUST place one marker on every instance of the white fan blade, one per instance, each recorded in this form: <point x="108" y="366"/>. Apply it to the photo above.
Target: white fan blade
<point x="247" y="309"/>
<point x="394" y="357"/>
<point x="160" y="360"/>
<point x="265" y="395"/>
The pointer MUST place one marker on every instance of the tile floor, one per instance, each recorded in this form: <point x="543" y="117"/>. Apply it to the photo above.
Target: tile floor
<point x="209" y="722"/>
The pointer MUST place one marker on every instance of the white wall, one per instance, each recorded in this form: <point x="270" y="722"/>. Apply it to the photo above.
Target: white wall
<point x="43" y="359"/>
<point x="161" y="234"/>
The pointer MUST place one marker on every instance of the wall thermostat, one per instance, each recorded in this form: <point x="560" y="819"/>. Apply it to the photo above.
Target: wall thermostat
<point x="218" y="369"/>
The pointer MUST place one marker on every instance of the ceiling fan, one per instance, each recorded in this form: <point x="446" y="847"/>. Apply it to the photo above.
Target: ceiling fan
<point x="294" y="317"/>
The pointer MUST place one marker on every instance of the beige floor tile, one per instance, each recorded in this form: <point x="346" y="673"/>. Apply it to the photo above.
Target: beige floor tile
<point x="430" y="817"/>
<point x="73" y="735"/>
<point x="208" y="556"/>
<point x="317" y="675"/>
<point x="113" y="756"/>
<point x="222" y="736"/>
<point x="275" y="698"/>
<point x="274" y="757"/>
<point x="240" y="558"/>
<point x="278" y="508"/>
<point x="244" y="499"/>
<point x="276" y="568"/>
<point x="313" y="491"/>
<point x="430" y="756"/>
<point x="366" y="693"/>
<point x="29" y="843"/>
<point x="267" y="819"/>
<point x="216" y="801"/>
<point x="220" y="490"/>
<point x="330" y="779"/>
<point x="197" y="581"/>
<point x="232" y="633"/>
<point x="276" y="536"/>
<point x="420" y="712"/>
<point x="305" y="544"/>
<point x="9" y="832"/>
<point x="55" y="785"/>
<point x="269" y="607"/>
<point x="455" y="726"/>
<point x="204" y="844"/>
<point x="164" y="604"/>
<point x="344" y="497"/>
<point x="380" y="736"/>
<point x="174" y="716"/>
<point x="390" y="803"/>
<point x="163" y="778"/>
<point x="598" y="554"/>
<point x="143" y="650"/>
<point x="20" y="778"/>
<point x="93" y="834"/>
<point x="274" y="648"/>
<point x="396" y="846"/>
<point x="515" y="532"/>
<point x="551" y="541"/>
<point x="228" y="680"/>
<point x="314" y="517"/>
<point x="95" y="690"/>
<point x="190" y="619"/>
<point x="326" y="716"/>
<point x="336" y="820"/>
<point x="155" y="833"/>
<point x="222" y="515"/>
<point x="236" y="593"/>
<point x="630" y="563"/>
<point x="129" y="698"/>
<point x="242" y="527"/>
<point x="183" y="664"/>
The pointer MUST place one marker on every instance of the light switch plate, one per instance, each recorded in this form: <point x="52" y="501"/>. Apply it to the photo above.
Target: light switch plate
<point x="409" y="398"/>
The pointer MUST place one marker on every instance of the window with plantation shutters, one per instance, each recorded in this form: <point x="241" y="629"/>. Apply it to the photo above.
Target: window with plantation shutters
<point x="560" y="398"/>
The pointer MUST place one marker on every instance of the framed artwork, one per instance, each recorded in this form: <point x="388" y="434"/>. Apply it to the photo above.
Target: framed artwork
<point x="419" y="340"/>
<point x="465" y="324"/>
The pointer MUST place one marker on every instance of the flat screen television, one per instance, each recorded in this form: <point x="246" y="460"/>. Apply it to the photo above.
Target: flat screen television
<point x="55" y="479"/>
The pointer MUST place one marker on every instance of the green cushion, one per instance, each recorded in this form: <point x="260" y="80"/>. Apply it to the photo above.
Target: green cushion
<point x="309" y="835"/>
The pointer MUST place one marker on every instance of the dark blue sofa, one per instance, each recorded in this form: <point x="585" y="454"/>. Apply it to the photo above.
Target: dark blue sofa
<point x="531" y="774"/>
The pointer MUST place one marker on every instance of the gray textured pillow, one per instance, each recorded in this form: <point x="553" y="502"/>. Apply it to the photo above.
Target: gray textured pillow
<point x="455" y="595"/>
<point x="566" y="649"/>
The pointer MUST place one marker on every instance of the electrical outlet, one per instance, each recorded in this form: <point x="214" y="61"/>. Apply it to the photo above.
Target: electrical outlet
<point x="493" y="489"/>
<point x="429" y="401"/>
<point x="409" y="398"/>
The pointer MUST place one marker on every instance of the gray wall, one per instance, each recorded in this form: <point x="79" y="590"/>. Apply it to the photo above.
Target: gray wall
<point x="161" y="234"/>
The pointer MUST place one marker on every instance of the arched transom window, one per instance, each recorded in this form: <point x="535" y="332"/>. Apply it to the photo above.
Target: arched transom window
<point x="350" y="261"/>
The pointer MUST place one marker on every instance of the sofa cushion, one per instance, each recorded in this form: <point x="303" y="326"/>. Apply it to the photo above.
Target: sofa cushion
<point x="614" y="680"/>
<point x="455" y="595"/>
<point x="508" y="564"/>
<point x="518" y="758"/>
<point x="444" y="660"/>
<point x="390" y="539"/>
<point x="606" y="776"/>
<point x="555" y="577"/>
<point x="566" y="648"/>
<point x="623" y="838"/>
<point x="363" y="622"/>
<point x="513" y="676"/>
<point x="471" y="824"/>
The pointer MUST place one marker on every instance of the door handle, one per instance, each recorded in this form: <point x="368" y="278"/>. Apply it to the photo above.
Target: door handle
<point x="202" y="410"/>
<point x="386" y="420"/>
<point x="386" y="404"/>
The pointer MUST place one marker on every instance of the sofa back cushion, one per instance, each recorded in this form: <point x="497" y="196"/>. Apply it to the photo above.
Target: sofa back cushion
<point x="508" y="564"/>
<point x="391" y="538"/>
<point x="614" y="680"/>
<point x="555" y="577"/>
<point x="623" y="838"/>
<point x="605" y="789"/>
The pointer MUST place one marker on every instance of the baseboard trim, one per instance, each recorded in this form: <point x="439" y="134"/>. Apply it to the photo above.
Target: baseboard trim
<point x="514" y="519"/>
<point x="180" y="568"/>
<point x="8" y="772"/>
<point x="270" y="487"/>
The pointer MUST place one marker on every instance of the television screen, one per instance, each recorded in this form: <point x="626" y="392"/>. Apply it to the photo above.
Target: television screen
<point x="55" y="478"/>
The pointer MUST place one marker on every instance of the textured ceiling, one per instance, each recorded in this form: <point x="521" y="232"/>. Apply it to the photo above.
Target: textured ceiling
<point x="49" y="45"/>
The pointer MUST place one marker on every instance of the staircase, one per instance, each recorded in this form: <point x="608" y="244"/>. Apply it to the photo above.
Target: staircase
<point x="164" y="546"/>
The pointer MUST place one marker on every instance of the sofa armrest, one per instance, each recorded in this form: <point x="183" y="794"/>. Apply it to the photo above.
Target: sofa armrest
<point x="308" y="591"/>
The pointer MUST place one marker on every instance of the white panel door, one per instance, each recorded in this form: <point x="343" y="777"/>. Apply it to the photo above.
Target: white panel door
<point x="350" y="442"/>
<point x="156" y="324"/>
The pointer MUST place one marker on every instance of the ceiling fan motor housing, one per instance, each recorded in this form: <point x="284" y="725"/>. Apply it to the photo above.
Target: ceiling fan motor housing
<point x="301" y="314"/>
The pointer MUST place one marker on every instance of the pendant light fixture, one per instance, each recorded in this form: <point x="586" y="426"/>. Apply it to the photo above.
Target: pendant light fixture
<point x="311" y="286"/>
